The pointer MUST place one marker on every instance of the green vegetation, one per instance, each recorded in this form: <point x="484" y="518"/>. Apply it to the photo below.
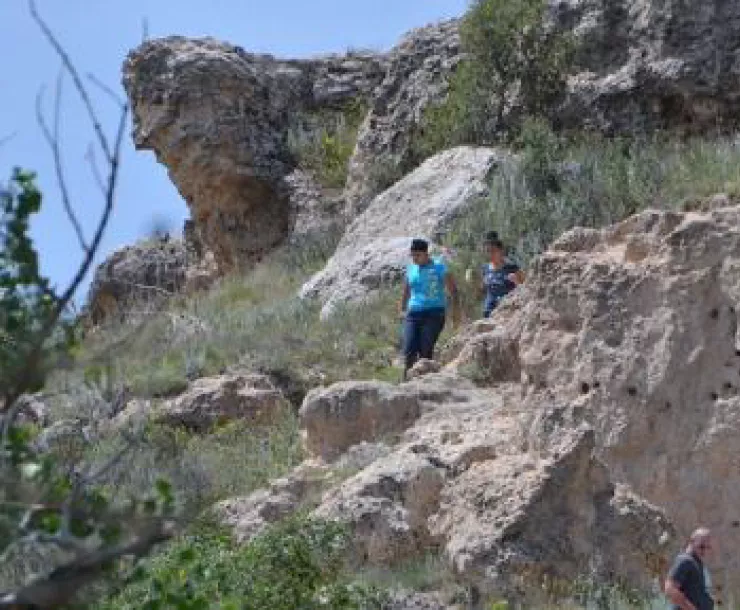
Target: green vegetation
<point x="324" y="141"/>
<point x="255" y="322"/>
<point x="593" y="181"/>
<point x="27" y="303"/>
<point x="233" y="461"/>
<point x="515" y="67"/>
<point x="296" y="564"/>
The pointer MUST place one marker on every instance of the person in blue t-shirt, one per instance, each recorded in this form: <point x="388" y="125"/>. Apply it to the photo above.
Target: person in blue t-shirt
<point x="424" y="304"/>
<point x="499" y="276"/>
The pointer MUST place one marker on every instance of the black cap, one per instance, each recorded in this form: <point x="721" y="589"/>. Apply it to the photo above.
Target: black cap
<point x="419" y="245"/>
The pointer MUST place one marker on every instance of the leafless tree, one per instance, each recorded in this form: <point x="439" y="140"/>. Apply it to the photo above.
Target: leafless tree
<point x="86" y="560"/>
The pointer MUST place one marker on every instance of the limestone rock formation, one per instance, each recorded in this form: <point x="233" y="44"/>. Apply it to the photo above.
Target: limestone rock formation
<point x="459" y="483"/>
<point x="417" y="76"/>
<point x="143" y="275"/>
<point x="248" y="516"/>
<point x="374" y="249"/>
<point x="511" y="522"/>
<point x="347" y="413"/>
<point x="218" y="118"/>
<point x="633" y="330"/>
<point x="645" y="64"/>
<point x="215" y="400"/>
<point x="313" y="214"/>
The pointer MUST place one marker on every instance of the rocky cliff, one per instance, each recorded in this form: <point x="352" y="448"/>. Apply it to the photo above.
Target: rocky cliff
<point x="218" y="117"/>
<point x="587" y="427"/>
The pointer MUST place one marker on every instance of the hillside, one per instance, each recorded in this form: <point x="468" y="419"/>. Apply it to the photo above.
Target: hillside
<point x="555" y="455"/>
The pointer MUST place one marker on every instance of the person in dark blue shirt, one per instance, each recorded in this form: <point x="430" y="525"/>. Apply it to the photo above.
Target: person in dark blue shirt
<point x="424" y="304"/>
<point x="499" y="276"/>
<point x="686" y="586"/>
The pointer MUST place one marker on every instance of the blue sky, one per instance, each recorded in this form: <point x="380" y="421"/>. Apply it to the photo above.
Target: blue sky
<point x="97" y="34"/>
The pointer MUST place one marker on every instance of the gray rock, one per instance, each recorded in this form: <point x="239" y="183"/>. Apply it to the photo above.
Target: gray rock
<point x="218" y="118"/>
<point x="216" y="400"/>
<point x="345" y="414"/>
<point x="144" y="274"/>
<point x="418" y="72"/>
<point x="374" y="249"/>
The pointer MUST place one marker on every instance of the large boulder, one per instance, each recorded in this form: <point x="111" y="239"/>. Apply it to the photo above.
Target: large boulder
<point x="512" y="524"/>
<point x="143" y="275"/>
<point x="212" y="401"/>
<point x="347" y="413"/>
<point x="374" y="249"/>
<point x="219" y="117"/>
<point x="633" y="330"/>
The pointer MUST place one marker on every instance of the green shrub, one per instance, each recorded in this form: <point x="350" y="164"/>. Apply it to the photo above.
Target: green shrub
<point x="513" y="61"/>
<point x="296" y="564"/>
<point x="592" y="181"/>
<point x="233" y="461"/>
<point x="324" y="141"/>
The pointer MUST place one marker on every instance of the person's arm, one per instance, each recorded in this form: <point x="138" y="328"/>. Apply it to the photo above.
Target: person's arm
<point x="516" y="276"/>
<point x="451" y="286"/>
<point x="403" y="303"/>
<point x="675" y="595"/>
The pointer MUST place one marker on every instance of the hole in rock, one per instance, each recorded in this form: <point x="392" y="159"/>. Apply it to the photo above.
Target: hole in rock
<point x="632" y="391"/>
<point x="714" y="396"/>
<point x="714" y="314"/>
<point x="585" y="388"/>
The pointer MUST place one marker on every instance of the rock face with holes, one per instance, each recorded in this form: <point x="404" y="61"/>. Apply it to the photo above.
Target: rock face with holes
<point x="218" y="118"/>
<point x="455" y="479"/>
<point x="633" y="330"/>
<point x="142" y="275"/>
<point x="374" y="249"/>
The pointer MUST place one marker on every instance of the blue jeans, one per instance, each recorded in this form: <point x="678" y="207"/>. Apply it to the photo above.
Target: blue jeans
<point x="421" y="329"/>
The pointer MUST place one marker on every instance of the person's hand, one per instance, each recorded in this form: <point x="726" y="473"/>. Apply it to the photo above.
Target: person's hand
<point x="513" y="278"/>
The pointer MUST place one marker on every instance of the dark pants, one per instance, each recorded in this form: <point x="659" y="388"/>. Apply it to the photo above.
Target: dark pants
<point x="421" y="329"/>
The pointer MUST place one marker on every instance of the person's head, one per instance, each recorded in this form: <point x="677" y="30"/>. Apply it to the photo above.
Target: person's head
<point x="494" y="247"/>
<point x="701" y="543"/>
<point x="420" y="251"/>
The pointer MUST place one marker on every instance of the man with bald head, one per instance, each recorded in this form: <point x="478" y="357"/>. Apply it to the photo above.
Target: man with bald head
<point x="686" y="586"/>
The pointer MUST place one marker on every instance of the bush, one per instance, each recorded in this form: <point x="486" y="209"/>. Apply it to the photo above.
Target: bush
<point x="593" y="181"/>
<point x="323" y="142"/>
<point x="234" y="460"/>
<point x="513" y="61"/>
<point x="296" y="564"/>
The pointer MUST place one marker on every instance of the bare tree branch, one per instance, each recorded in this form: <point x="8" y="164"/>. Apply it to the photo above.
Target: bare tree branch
<point x="33" y="359"/>
<point x="75" y="78"/>
<point x="53" y="140"/>
<point x="92" y="160"/>
<point x="59" y="588"/>
<point x="106" y="89"/>
<point x="5" y="139"/>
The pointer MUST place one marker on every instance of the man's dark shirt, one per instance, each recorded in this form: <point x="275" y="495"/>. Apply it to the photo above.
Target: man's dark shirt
<point x="688" y="573"/>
